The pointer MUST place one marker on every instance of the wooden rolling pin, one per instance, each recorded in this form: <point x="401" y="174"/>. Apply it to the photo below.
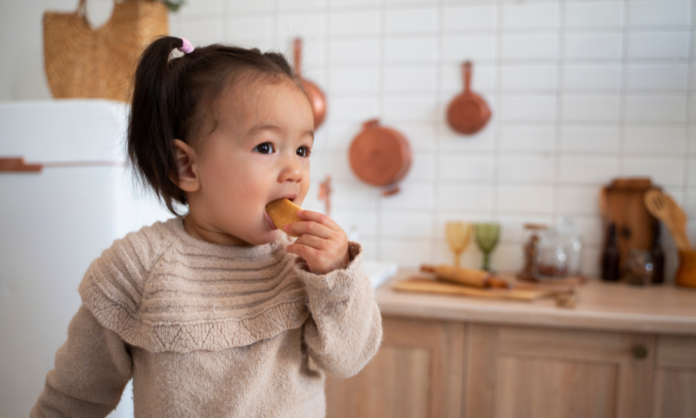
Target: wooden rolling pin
<point x="469" y="277"/>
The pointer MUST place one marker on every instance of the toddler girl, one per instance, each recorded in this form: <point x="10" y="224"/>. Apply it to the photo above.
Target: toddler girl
<point x="217" y="313"/>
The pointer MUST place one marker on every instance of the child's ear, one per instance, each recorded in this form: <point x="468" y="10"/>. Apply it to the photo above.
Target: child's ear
<point x="186" y="164"/>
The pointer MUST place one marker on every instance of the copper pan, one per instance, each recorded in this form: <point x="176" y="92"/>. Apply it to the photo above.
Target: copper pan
<point x="314" y="94"/>
<point x="468" y="113"/>
<point x="380" y="156"/>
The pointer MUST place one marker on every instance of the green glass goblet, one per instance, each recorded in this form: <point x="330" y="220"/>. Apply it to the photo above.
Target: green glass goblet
<point x="486" y="239"/>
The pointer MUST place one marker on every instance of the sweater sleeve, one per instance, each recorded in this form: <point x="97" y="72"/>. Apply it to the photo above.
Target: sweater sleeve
<point x="91" y="370"/>
<point x="344" y="330"/>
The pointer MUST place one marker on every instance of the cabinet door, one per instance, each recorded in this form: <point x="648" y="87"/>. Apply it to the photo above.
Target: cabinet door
<point x="674" y="392"/>
<point x="416" y="373"/>
<point x="540" y="372"/>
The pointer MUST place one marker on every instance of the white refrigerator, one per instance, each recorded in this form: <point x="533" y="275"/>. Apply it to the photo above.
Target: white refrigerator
<point x="53" y="224"/>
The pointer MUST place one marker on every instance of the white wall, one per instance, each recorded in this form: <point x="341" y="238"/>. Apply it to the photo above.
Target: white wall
<point x="581" y="91"/>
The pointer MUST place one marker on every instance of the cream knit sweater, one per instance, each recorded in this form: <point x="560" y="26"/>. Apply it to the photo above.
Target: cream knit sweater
<point x="207" y="330"/>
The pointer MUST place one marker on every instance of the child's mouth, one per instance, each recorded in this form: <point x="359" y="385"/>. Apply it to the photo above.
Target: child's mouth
<point x="291" y="197"/>
<point x="269" y="221"/>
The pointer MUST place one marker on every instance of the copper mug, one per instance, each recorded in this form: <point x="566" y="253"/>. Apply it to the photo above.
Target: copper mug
<point x="686" y="274"/>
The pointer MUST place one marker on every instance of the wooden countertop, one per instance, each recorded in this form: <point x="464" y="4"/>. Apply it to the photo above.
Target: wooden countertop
<point x="602" y="306"/>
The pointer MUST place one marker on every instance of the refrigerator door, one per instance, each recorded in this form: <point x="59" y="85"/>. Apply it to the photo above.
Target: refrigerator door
<point x="53" y="224"/>
<point x="64" y="130"/>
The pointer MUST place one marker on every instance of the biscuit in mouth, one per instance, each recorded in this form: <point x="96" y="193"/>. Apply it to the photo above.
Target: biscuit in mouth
<point x="283" y="212"/>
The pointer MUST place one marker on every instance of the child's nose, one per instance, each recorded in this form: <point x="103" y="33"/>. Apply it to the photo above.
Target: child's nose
<point x="291" y="170"/>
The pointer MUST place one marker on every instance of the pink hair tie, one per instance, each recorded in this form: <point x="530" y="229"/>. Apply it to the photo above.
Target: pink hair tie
<point x="186" y="48"/>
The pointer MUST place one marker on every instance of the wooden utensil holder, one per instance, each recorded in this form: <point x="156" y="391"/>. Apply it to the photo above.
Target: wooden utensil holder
<point x="622" y="203"/>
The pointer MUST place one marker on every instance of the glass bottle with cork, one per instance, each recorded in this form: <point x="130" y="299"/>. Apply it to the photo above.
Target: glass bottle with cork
<point x="610" y="257"/>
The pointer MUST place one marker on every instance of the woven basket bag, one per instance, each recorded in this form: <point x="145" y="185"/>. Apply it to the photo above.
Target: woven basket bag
<point x="99" y="63"/>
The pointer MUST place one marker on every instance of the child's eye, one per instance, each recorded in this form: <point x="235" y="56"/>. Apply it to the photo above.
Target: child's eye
<point x="304" y="151"/>
<point x="265" y="148"/>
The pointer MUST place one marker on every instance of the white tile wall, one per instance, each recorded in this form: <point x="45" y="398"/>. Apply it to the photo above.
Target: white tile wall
<point x="597" y="77"/>
<point x="659" y="13"/>
<point x="651" y="45"/>
<point x="592" y="46"/>
<point x="471" y="18"/>
<point x="581" y="91"/>
<point x="594" y="15"/>
<point x="513" y="139"/>
<point x="530" y="16"/>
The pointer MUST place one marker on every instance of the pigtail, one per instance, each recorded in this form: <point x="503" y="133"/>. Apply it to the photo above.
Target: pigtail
<point x="152" y="124"/>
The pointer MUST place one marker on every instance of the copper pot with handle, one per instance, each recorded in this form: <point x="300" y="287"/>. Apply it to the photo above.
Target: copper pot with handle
<point x="316" y="97"/>
<point x="468" y="113"/>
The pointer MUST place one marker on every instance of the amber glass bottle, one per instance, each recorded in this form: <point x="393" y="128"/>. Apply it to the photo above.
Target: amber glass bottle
<point x="658" y="255"/>
<point x="610" y="257"/>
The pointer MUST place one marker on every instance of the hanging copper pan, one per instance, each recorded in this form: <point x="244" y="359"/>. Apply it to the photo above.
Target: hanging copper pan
<point x="315" y="95"/>
<point x="380" y="156"/>
<point x="468" y="113"/>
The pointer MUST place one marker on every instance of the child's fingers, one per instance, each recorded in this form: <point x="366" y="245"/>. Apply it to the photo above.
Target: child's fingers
<point x="304" y="251"/>
<point x="310" y="228"/>
<point x="312" y="241"/>
<point x="319" y="218"/>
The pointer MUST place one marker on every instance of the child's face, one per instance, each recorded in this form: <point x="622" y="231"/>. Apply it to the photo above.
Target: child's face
<point x="258" y="152"/>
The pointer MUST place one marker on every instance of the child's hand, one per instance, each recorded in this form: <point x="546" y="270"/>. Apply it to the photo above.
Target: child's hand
<point x="321" y="243"/>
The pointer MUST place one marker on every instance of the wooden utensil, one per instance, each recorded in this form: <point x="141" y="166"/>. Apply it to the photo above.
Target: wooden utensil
<point x="380" y="156"/>
<point x="468" y="113"/>
<point x="469" y="277"/>
<point x="12" y="164"/>
<point x="316" y="97"/>
<point x="458" y="236"/>
<point x="664" y="208"/>
<point x="325" y="190"/>
<point x="425" y="285"/>
<point x="679" y="219"/>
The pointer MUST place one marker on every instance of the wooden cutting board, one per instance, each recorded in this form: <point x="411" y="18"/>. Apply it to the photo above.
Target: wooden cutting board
<point x="426" y="285"/>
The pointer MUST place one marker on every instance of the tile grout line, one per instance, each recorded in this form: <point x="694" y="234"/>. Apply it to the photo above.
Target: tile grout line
<point x="689" y="109"/>
<point x="622" y="91"/>
<point x="495" y="190"/>
<point x="327" y="52"/>
<point x="380" y="65"/>
<point x="688" y="125"/>
<point x="436" y="149"/>
<point x="556" y="188"/>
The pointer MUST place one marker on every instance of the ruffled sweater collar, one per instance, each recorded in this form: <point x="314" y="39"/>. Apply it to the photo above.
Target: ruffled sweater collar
<point x="176" y="227"/>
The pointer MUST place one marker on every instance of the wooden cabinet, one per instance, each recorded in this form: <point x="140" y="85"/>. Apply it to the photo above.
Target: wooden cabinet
<point x="416" y="373"/>
<point x="624" y="351"/>
<point x="674" y="390"/>
<point x="431" y="368"/>
<point x="542" y="372"/>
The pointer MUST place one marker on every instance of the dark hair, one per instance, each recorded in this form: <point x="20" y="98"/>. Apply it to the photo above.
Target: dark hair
<point x="169" y="101"/>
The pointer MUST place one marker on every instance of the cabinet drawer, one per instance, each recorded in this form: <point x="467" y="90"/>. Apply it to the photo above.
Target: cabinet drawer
<point x="544" y="372"/>
<point x="674" y="390"/>
<point x="676" y="351"/>
<point x="416" y="373"/>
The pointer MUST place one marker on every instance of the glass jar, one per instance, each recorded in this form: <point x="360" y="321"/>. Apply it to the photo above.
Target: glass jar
<point x="558" y="254"/>
<point x="531" y="238"/>
<point x="639" y="267"/>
